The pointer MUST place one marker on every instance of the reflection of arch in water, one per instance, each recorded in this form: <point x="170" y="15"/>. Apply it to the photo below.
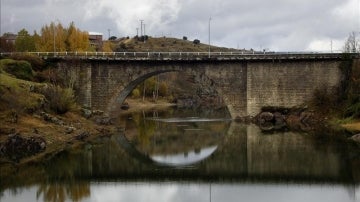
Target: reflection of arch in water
<point x="182" y="159"/>
<point x="161" y="161"/>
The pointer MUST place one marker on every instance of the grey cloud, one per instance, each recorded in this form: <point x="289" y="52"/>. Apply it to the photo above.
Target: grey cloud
<point x="274" y="24"/>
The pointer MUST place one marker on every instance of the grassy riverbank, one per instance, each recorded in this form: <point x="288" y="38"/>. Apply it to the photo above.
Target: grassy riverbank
<point x="139" y="104"/>
<point x="354" y="126"/>
<point x="30" y="109"/>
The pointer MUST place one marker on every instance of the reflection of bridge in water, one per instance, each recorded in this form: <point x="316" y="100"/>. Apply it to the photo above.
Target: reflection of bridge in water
<point x="243" y="154"/>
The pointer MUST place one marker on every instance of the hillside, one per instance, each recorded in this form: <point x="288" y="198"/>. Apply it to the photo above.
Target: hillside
<point x="30" y="120"/>
<point x="164" y="44"/>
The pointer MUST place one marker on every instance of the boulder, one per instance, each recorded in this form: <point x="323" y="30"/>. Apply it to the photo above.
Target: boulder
<point x="356" y="138"/>
<point x="104" y="121"/>
<point x="265" y="117"/>
<point x="279" y="119"/>
<point x="17" y="147"/>
<point x="82" y="135"/>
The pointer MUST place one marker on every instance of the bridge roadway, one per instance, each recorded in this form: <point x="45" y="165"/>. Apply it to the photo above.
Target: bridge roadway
<point x="190" y="56"/>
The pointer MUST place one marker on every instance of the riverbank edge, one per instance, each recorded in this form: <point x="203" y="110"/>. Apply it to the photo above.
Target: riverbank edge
<point x="67" y="133"/>
<point x="58" y="139"/>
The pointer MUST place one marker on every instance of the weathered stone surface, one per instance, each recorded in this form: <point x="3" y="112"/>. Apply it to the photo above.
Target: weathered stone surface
<point x="82" y="135"/>
<point x="69" y="129"/>
<point x="245" y="85"/>
<point x="356" y="138"/>
<point x="265" y="117"/>
<point x="104" y="121"/>
<point x="17" y="147"/>
<point x="52" y="119"/>
<point x="86" y="113"/>
<point x="279" y="119"/>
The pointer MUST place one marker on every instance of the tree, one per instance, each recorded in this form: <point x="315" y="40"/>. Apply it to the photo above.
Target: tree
<point x="60" y="37"/>
<point x="24" y="42"/>
<point x="76" y="39"/>
<point x="57" y="38"/>
<point x="37" y="40"/>
<point x="47" y="38"/>
<point x="196" y="41"/>
<point x="107" y="46"/>
<point x="163" y="89"/>
<point x="352" y="44"/>
<point x="112" y="38"/>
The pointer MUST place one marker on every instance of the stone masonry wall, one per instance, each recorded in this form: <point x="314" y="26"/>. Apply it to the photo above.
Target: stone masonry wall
<point x="288" y="84"/>
<point x="245" y="86"/>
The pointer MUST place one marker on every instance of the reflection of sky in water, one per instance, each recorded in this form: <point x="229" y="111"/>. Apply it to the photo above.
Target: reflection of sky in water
<point x="184" y="159"/>
<point x="187" y="192"/>
<point x="188" y="119"/>
<point x="164" y="192"/>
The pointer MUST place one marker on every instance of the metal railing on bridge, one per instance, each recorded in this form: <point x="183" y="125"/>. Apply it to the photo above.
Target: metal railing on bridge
<point x="241" y="55"/>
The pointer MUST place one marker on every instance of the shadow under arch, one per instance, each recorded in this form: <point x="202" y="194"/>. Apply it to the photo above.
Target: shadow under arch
<point x="121" y="96"/>
<point x="121" y="93"/>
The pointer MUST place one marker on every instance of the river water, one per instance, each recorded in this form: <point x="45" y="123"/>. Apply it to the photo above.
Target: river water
<point x="190" y="155"/>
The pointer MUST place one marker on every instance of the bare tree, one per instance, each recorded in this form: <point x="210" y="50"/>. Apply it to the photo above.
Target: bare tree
<point x="352" y="44"/>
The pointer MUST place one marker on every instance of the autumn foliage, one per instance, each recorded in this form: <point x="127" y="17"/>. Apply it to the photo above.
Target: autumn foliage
<point x="65" y="39"/>
<point x="52" y="38"/>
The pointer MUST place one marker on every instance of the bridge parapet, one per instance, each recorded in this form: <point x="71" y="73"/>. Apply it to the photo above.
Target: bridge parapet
<point x="190" y="56"/>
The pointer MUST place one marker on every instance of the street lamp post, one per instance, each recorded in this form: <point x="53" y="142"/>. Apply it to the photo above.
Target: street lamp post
<point x="209" y="37"/>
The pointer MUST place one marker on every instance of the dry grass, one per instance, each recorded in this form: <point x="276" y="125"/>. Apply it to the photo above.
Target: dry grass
<point x="20" y="102"/>
<point x="352" y="126"/>
<point x="168" y="45"/>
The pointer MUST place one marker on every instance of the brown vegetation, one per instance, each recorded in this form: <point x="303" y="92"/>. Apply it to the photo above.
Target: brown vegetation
<point x="31" y="111"/>
<point x="164" y="44"/>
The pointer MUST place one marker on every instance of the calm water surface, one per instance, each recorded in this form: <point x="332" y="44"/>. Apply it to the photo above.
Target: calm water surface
<point x="186" y="155"/>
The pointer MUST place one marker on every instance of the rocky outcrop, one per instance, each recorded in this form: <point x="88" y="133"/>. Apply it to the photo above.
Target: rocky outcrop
<point x="52" y="119"/>
<point x="82" y="135"/>
<point x="284" y="119"/>
<point x="356" y="138"/>
<point x="88" y="113"/>
<point x="17" y="147"/>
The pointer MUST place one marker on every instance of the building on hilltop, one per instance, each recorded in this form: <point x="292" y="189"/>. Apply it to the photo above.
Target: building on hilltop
<point x="7" y="42"/>
<point x="96" y="40"/>
<point x="10" y="38"/>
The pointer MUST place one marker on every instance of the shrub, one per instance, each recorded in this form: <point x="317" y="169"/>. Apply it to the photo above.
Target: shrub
<point x="135" y="93"/>
<point x="36" y="62"/>
<point x="58" y="99"/>
<point x="353" y="110"/>
<point x="163" y="89"/>
<point x="20" y="69"/>
<point x="196" y="41"/>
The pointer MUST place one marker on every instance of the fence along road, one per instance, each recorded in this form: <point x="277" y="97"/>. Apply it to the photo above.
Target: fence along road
<point x="185" y="55"/>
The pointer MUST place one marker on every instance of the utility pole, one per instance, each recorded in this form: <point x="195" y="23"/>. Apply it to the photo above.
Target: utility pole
<point x="209" y="36"/>
<point x="141" y="25"/>
<point x="331" y="46"/>
<point x="109" y="30"/>
<point x="137" y="31"/>
<point x="54" y="38"/>
<point x="144" y="33"/>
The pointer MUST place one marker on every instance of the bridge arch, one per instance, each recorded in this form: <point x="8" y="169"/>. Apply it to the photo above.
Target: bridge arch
<point x="123" y="89"/>
<point x="122" y="92"/>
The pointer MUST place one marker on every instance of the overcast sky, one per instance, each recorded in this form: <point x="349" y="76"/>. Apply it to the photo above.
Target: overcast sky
<point x="278" y="25"/>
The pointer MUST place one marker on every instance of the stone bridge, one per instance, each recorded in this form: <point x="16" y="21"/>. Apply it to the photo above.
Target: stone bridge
<point x="246" y="82"/>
